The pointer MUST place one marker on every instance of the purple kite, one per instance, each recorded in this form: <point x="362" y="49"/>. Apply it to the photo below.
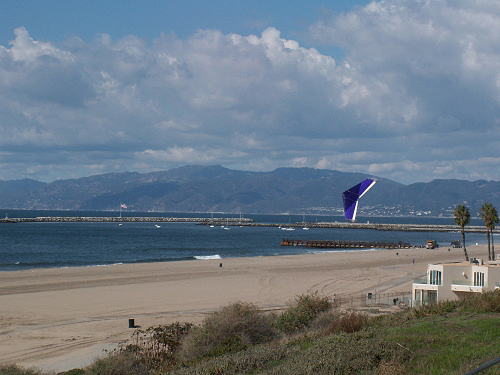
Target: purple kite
<point x="352" y="195"/>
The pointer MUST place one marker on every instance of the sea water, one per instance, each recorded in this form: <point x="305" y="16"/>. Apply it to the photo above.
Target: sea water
<point x="55" y="245"/>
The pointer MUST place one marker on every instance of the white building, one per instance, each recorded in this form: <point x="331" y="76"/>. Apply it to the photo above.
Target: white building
<point x="451" y="281"/>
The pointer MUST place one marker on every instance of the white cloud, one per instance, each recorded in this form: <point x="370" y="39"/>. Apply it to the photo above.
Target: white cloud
<point x="26" y="49"/>
<point x="418" y="96"/>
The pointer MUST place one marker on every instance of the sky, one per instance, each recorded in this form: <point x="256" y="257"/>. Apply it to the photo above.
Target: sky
<point x="402" y="89"/>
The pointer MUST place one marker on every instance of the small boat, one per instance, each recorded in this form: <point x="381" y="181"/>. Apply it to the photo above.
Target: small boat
<point x="157" y="226"/>
<point x="120" y="224"/>
<point x="304" y="222"/>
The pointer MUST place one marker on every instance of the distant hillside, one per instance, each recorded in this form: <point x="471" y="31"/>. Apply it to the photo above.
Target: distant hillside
<point x="214" y="188"/>
<point x="19" y="185"/>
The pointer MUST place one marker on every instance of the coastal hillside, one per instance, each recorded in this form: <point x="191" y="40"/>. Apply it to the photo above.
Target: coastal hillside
<point x="219" y="189"/>
<point x="19" y="185"/>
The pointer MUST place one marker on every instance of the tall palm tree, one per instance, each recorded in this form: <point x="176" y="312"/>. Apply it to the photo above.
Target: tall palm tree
<point x="485" y="215"/>
<point x="489" y="215"/>
<point x="462" y="218"/>
<point x="494" y="220"/>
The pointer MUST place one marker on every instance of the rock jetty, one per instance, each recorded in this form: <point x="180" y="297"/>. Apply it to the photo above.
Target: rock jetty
<point x="117" y="219"/>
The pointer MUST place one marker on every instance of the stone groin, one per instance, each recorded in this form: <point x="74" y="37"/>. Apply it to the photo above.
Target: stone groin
<point x="117" y="219"/>
<point x="248" y="222"/>
<point x="374" y="226"/>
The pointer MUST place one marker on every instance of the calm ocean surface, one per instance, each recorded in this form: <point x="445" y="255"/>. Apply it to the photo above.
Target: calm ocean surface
<point x="54" y="245"/>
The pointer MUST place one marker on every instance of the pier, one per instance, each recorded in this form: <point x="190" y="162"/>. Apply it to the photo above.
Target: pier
<point x="346" y="244"/>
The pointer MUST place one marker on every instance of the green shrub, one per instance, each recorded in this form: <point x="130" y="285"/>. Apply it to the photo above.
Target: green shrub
<point x="229" y="329"/>
<point x="297" y="317"/>
<point x="439" y="308"/>
<point x="16" y="370"/>
<point x="358" y="353"/>
<point x="477" y="302"/>
<point x="75" y="371"/>
<point x="483" y="302"/>
<point x="117" y="364"/>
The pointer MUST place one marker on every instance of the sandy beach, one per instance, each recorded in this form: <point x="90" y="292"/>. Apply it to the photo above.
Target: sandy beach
<point x="59" y="319"/>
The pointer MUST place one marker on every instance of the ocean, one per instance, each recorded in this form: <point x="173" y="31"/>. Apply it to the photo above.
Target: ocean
<point x="55" y="245"/>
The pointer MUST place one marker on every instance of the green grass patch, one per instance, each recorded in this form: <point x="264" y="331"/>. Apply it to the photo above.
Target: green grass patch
<point x="16" y="370"/>
<point x="441" y="345"/>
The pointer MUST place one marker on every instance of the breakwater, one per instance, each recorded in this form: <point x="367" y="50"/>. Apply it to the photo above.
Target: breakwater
<point x="373" y="226"/>
<point x="249" y="222"/>
<point x="118" y="219"/>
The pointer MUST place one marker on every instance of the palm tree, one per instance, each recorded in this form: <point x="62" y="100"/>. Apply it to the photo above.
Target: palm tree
<point x="494" y="220"/>
<point x="489" y="215"/>
<point x="485" y="215"/>
<point x="462" y="218"/>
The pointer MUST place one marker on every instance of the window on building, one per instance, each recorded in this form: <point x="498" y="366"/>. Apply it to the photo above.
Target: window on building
<point x="435" y="278"/>
<point x="478" y="278"/>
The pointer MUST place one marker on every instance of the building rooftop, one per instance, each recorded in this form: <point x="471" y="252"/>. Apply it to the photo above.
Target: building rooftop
<point x="473" y="261"/>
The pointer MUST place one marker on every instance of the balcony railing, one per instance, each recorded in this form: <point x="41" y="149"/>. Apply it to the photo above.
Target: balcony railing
<point x="420" y="280"/>
<point x="467" y="286"/>
<point x="468" y="283"/>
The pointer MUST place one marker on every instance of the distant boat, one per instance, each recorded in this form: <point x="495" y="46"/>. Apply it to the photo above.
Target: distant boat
<point x="157" y="226"/>
<point x="304" y="222"/>
<point x="120" y="224"/>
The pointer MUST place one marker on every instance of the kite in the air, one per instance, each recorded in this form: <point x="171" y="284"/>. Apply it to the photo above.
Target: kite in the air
<point x="352" y="195"/>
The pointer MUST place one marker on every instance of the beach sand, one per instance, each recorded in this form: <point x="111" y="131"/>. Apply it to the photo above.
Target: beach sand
<point x="59" y="319"/>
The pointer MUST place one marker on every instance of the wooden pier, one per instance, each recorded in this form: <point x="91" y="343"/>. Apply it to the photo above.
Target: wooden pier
<point x="346" y="244"/>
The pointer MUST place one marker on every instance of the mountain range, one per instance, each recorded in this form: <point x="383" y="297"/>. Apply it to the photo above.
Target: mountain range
<point x="196" y="188"/>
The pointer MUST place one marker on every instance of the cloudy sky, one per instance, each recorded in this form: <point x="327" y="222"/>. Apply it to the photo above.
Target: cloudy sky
<point x="402" y="89"/>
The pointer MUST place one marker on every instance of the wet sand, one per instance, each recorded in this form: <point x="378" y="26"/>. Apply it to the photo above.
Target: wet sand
<point x="59" y="319"/>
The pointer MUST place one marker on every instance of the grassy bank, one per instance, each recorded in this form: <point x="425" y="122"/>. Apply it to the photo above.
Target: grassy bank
<point x="311" y="337"/>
